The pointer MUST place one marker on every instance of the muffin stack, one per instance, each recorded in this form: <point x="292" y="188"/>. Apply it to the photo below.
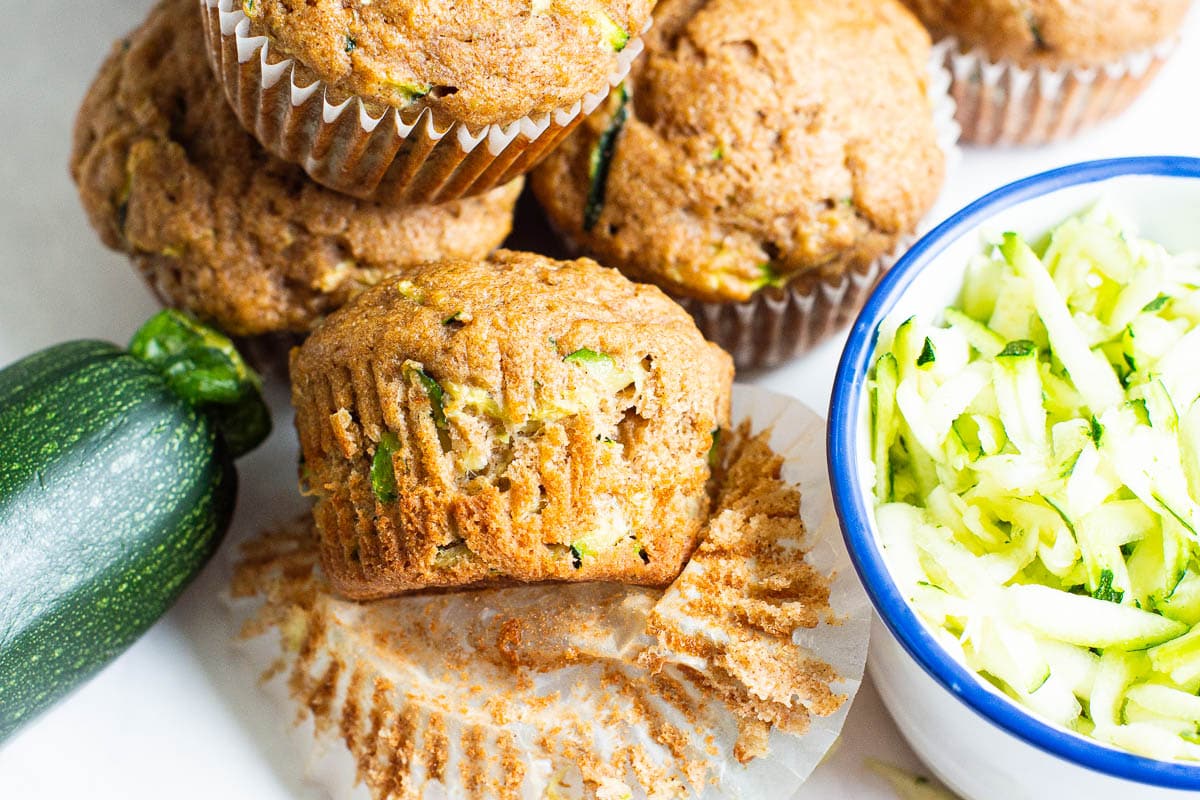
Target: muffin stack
<point x="219" y="227"/>
<point x="264" y="161"/>
<point x="260" y="233"/>
<point x="347" y="168"/>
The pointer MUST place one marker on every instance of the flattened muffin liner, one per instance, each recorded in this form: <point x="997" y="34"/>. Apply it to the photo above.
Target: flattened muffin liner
<point x="780" y="323"/>
<point x="456" y="717"/>
<point x="1003" y="103"/>
<point x="395" y="157"/>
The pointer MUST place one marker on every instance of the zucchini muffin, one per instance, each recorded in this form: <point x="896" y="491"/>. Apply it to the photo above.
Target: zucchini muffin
<point x="747" y="158"/>
<point x="725" y="684"/>
<point x="514" y="72"/>
<point x="218" y="226"/>
<point x="518" y="419"/>
<point x="1030" y="71"/>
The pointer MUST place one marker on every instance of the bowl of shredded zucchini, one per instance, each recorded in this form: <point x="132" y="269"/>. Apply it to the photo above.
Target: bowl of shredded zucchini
<point x="1014" y="441"/>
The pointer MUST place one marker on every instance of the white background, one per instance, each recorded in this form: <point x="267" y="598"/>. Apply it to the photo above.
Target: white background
<point x="175" y="716"/>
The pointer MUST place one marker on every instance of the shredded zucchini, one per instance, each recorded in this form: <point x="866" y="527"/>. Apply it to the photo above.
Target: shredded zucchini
<point x="383" y="474"/>
<point x="1037" y="478"/>
<point x="601" y="157"/>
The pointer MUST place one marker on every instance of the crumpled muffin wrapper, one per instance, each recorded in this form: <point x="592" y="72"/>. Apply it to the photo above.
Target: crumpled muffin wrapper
<point x="1003" y="103"/>
<point x="779" y="324"/>
<point x="394" y="157"/>
<point x="578" y="690"/>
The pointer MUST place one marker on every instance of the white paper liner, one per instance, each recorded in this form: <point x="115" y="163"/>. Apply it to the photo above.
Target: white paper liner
<point x="385" y="158"/>
<point x="602" y="620"/>
<point x="1003" y="103"/>
<point x="777" y="325"/>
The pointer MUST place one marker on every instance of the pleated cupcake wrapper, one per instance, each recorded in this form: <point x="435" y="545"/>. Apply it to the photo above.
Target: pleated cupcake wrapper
<point x="395" y="158"/>
<point x="456" y="713"/>
<point x="779" y="324"/>
<point x="1002" y="102"/>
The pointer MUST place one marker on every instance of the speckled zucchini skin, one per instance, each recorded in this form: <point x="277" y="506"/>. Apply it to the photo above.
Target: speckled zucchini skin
<point x="113" y="494"/>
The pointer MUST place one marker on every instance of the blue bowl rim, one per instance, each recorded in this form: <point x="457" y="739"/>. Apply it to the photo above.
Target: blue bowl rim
<point x="849" y="385"/>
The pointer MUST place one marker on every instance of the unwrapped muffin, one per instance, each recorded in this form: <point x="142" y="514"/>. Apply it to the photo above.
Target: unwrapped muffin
<point x="724" y="685"/>
<point x="1030" y="72"/>
<point x="418" y="102"/>
<point x="761" y="153"/>
<point x="514" y="419"/>
<point x="218" y="226"/>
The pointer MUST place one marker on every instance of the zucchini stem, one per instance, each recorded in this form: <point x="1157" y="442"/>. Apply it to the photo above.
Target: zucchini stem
<point x="202" y="366"/>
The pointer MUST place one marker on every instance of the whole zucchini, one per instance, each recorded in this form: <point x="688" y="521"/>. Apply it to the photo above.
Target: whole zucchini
<point x="116" y="485"/>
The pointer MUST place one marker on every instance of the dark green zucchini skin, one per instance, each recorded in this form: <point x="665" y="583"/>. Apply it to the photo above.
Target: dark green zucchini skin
<point x="114" y="492"/>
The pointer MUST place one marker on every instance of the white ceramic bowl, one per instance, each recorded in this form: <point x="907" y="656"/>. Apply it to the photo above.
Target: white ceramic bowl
<point x="977" y="740"/>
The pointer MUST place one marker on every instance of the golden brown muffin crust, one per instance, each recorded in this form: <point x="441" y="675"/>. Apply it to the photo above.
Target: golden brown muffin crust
<point x="1073" y="32"/>
<point x="540" y="419"/>
<point x="218" y="226"/>
<point x="481" y="62"/>
<point x="766" y="140"/>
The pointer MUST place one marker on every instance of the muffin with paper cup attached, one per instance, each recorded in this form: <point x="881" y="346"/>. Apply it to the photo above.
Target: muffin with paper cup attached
<point x="218" y="226"/>
<point x="1039" y="70"/>
<point x="761" y="164"/>
<point x="516" y="419"/>
<point x="406" y="102"/>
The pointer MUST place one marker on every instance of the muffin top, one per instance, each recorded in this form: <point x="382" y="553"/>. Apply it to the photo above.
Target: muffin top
<point x="518" y="327"/>
<point x="762" y="141"/>
<point x="479" y="62"/>
<point x="168" y="175"/>
<point x="1079" y="32"/>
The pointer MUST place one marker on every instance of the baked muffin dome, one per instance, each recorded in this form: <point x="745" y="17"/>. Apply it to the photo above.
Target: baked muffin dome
<point x="479" y="62"/>
<point x="763" y="141"/>
<point x="215" y="224"/>
<point x="514" y="419"/>
<point x="1075" y="32"/>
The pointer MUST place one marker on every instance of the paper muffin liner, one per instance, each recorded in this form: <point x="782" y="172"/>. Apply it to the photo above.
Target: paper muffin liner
<point x="779" y="324"/>
<point x="562" y="691"/>
<point x="1003" y="103"/>
<point x="395" y="157"/>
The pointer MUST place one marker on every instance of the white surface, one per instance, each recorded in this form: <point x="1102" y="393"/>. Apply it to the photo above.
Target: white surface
<point x="971" y="755"/>
<point x="166" y="719"/>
